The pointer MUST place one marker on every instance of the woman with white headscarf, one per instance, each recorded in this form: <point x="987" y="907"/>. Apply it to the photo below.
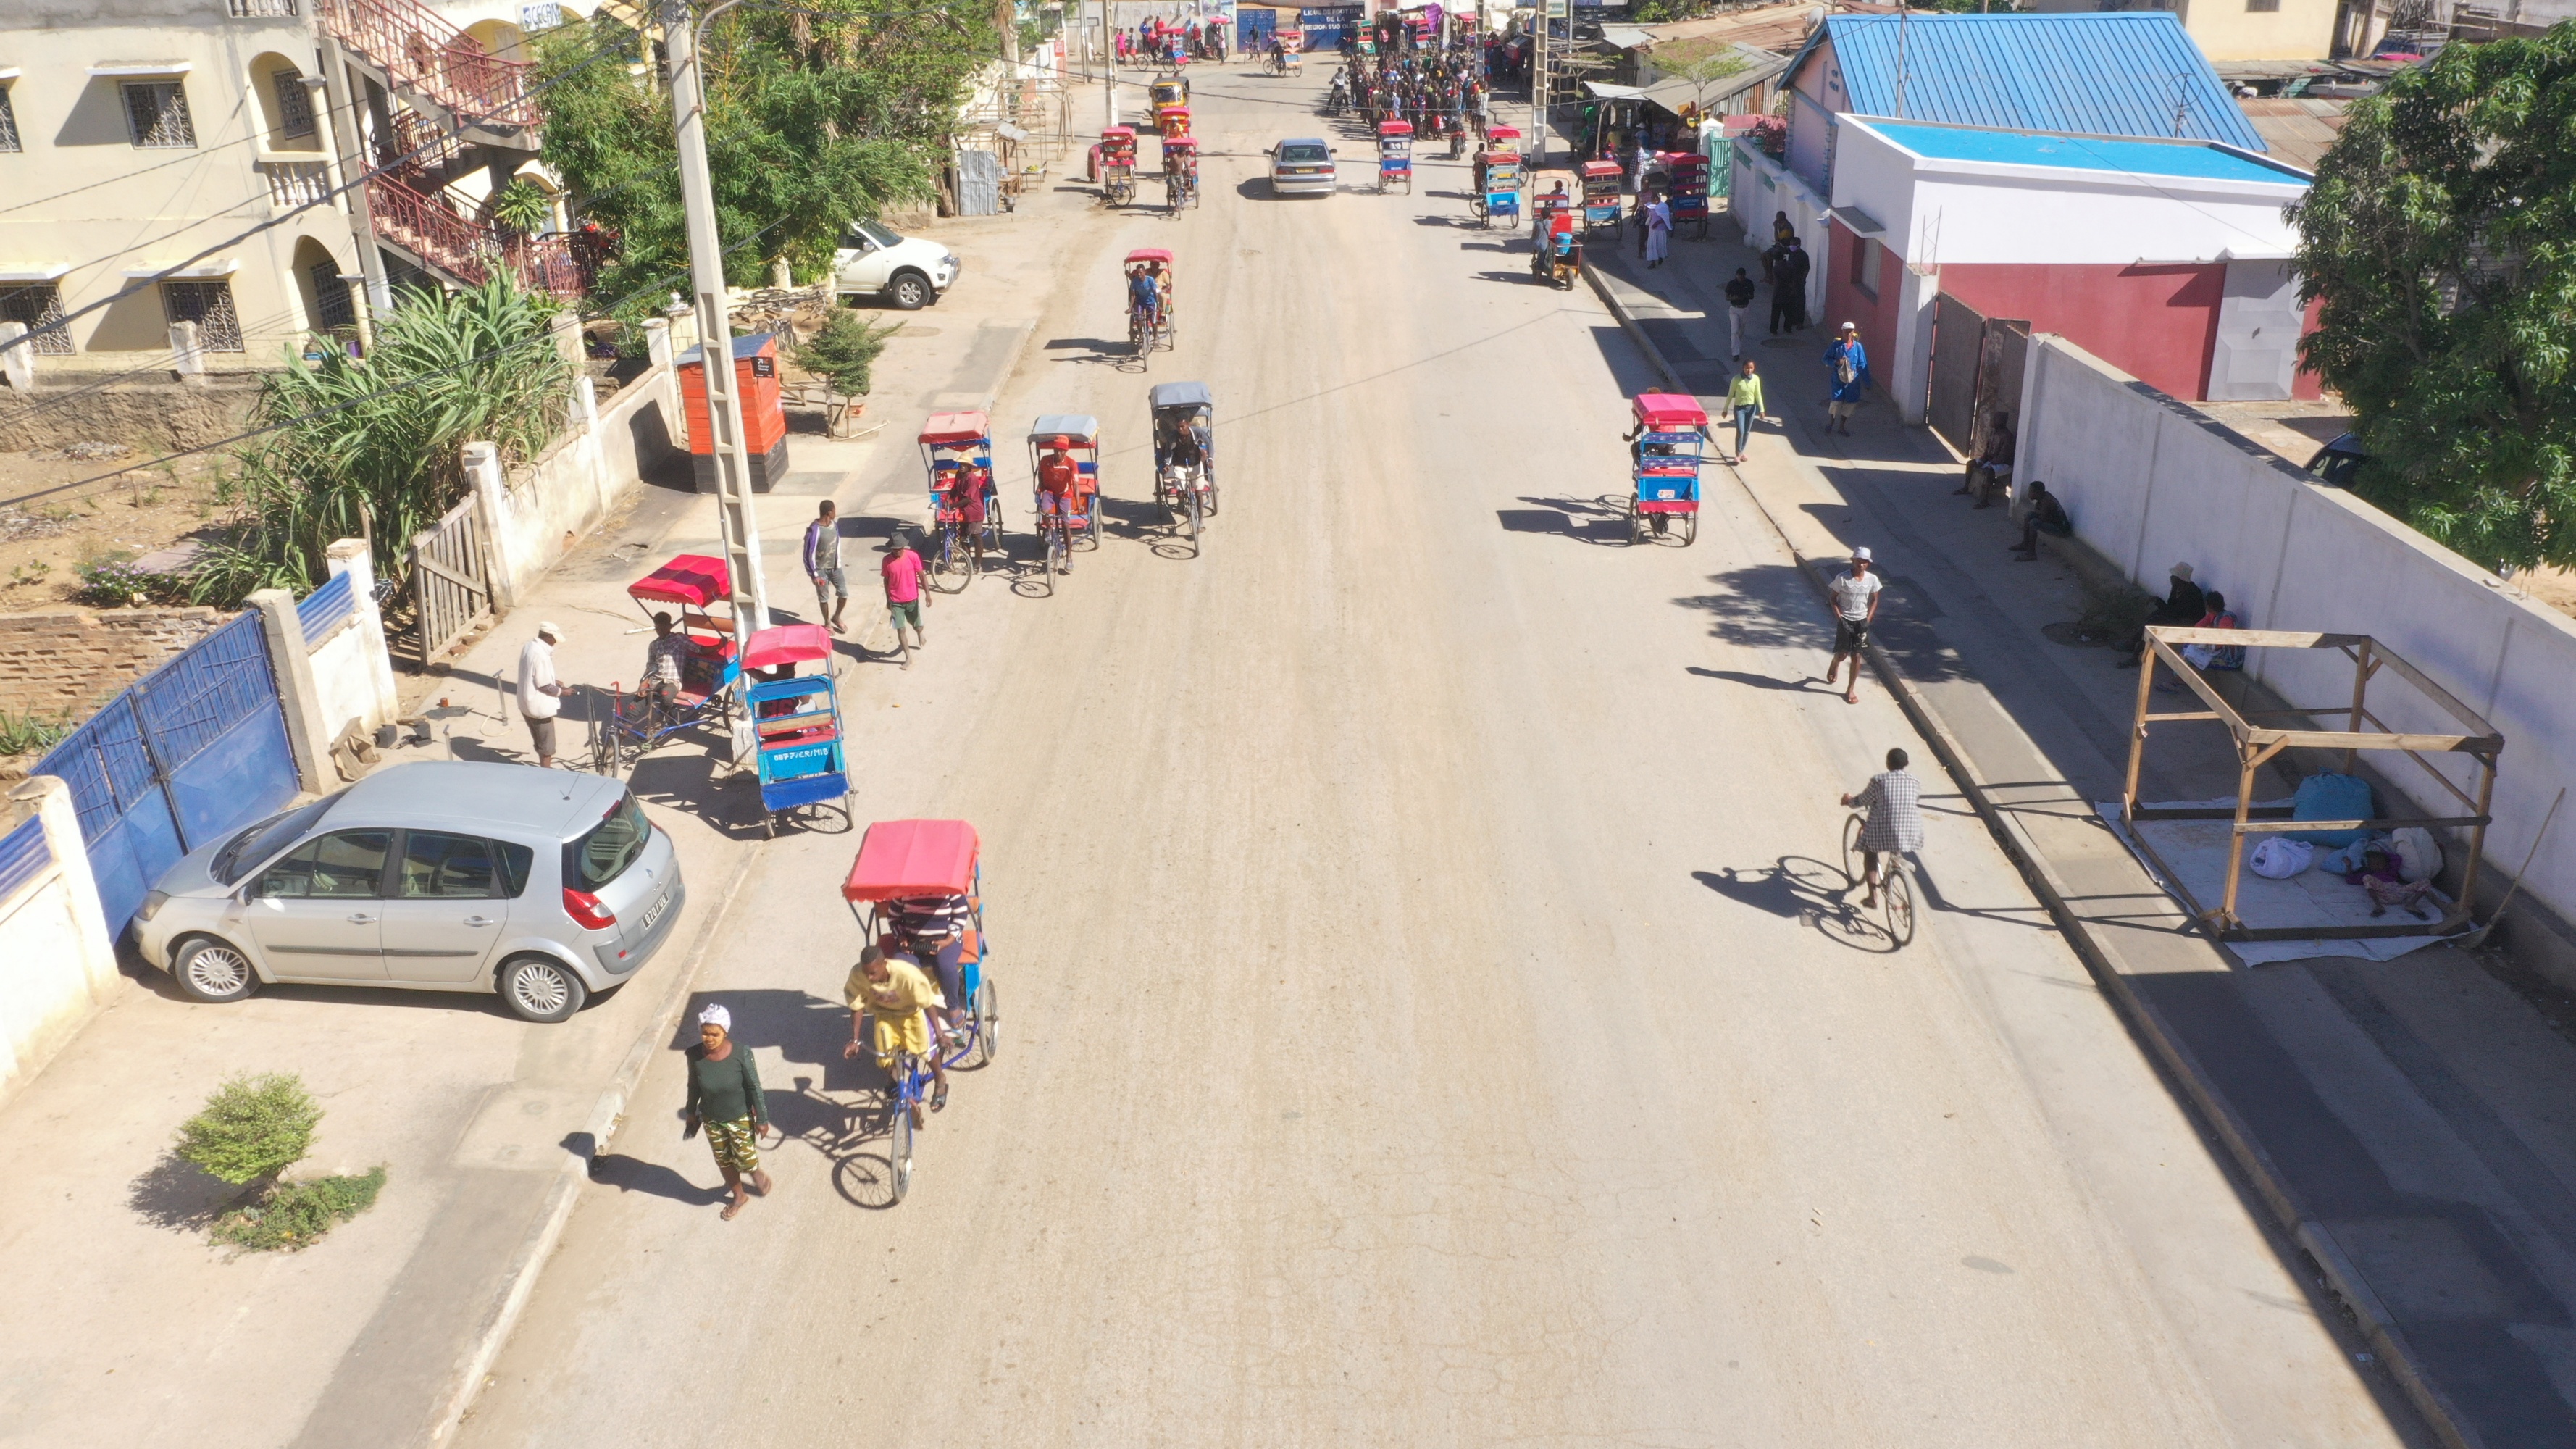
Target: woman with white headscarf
<point x="724" y="1097"/>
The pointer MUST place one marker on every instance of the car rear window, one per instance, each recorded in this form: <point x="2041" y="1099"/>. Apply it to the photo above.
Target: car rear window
<point x="603" y="853"/>
<point x="1307" y="152"/>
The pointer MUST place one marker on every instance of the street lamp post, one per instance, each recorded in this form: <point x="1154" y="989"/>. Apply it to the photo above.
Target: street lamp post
<point x="732" y="452"/>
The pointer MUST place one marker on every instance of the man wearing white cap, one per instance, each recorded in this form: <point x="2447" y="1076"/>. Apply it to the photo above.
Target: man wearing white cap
<point x="1855" y="595"/>
<point x="540" y="697"/>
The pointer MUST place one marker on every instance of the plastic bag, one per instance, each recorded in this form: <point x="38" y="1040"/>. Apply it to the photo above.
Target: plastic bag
<point x="2330" y="796"/>
<point x="2279" y="857"/>
<point x="2419" y="855"/>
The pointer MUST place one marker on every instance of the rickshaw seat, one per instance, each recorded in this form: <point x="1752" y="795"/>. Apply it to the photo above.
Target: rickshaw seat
<point x="778" y="726"/>
<point x="818" y="735"/>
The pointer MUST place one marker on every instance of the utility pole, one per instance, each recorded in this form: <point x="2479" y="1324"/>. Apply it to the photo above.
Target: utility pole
<point x="715" y="331"/>
<point x="1108" y="69"/>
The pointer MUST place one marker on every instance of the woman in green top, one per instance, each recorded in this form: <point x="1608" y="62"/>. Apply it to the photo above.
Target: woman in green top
<point x="724" y="1097"/>
<point x="1744" y="394"/>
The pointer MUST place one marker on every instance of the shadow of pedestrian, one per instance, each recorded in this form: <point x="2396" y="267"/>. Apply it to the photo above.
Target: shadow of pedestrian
<point x="1761" y="681"/>
<point x="633" y="1174"/>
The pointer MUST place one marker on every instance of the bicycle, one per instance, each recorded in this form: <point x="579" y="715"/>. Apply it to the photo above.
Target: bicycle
<point x="1895" y="880"/>
<point x="951" y="563"/>
<point x="972" y="1045"/>
<point x="1055" y="528"/>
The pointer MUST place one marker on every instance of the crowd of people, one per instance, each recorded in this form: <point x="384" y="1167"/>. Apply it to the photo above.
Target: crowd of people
<point x="1435" y="88"/>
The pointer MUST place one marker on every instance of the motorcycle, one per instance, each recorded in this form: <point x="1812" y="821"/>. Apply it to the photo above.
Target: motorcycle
<point x="1338" y="99"/>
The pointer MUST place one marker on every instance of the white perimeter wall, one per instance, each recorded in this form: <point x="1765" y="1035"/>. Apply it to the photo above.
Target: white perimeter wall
<point x="57" y="966"/>
<point x="2151" y="482"/>
<point x="1942" y="212"/>
<point x="1760" y="186"/>
<point x="537" y="514"/>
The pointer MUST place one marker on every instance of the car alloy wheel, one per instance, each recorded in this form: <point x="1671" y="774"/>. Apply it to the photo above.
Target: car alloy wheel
<point x="542" y="990"/>
<point x="211" y="970"/>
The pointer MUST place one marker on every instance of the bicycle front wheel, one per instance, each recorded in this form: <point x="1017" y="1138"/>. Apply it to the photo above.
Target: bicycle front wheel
<point x="1851" y="849"/>
<point x="988" y="1022"/>
<point x="948" y="563"/>
<point x="1196" y="511"/>
<point x="899" y="1144"/>
<point x="1897" y="890"/>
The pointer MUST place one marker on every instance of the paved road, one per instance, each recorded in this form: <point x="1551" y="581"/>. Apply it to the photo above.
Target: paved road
<point x="1433" y="1013"/>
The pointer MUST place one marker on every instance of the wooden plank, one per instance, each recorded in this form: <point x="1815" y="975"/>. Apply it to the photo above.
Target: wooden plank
<point x="2364" y="739"/>
<point x="2393" y="822"/>
<point x="2256" y="638"/>
<point x="2476" y="722"/>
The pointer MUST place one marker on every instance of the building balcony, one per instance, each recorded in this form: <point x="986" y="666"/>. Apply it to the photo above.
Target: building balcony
<point x="424" y="53"/>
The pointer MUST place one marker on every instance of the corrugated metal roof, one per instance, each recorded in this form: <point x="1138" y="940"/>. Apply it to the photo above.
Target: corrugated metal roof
<point x="2124" y="73"/>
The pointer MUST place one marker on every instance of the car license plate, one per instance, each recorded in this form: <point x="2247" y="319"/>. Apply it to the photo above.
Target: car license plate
<point x="655" y="914"/>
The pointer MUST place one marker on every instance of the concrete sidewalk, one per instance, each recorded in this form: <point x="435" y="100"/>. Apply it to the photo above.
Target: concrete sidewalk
<point x="379" y="1334"/>
<point x="2404" y="1120"/>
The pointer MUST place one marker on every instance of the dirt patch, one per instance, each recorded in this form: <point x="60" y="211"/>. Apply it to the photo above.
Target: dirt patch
<point x="44" y="541"/>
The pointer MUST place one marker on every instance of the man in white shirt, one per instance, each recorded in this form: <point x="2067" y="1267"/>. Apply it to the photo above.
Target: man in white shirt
<point x="540" y="697"/>
<point x="1855" y="595"/>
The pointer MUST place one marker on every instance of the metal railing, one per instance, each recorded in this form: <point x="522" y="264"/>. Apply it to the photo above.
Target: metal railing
<point x="296" y="183"/>
<point x="470" y="251"/>
<point x="424" y="52"/>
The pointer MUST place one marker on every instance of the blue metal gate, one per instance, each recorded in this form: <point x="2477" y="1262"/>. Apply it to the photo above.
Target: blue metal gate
<point x="1253" y="29"/>
<point x="1325" y="27"/>
<point x="190" y="751"/>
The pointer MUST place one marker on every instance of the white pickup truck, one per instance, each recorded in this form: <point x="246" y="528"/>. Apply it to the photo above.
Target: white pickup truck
<point x="875" y="261"/>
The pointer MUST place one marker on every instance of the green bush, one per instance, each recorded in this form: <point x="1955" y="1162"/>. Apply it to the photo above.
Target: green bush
<point x="295" y="1215"/>
<point x="845" y="352"/>
<point x="251" y="1128"/>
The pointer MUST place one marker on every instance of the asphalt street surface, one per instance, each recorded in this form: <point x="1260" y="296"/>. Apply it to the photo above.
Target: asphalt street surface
<point x="1435" y="1013"/>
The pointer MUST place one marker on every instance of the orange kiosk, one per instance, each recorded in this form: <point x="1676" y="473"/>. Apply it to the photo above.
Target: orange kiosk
<point x="764" y="420"/>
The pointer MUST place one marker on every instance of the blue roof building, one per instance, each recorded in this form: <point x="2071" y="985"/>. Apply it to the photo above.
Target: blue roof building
<point x="2122" y="73"/>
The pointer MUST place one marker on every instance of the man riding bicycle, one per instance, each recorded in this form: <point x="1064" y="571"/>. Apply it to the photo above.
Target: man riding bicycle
<point x="1145" y="296"/>
<point x="1894" y="818"/>
<point x="900" y="997"/>
<point x="967" y="502"/>
<point x="1060" y="496"/>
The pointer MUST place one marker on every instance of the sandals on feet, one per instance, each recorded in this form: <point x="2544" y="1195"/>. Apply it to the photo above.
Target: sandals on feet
<point x="938" y="1096"/>
<point x="731" y="1208"/>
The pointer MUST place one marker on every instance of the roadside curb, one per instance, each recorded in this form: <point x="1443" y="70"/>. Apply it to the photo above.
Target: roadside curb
<point x="528" y="1263"/>
<point x="2313" y="1236"/>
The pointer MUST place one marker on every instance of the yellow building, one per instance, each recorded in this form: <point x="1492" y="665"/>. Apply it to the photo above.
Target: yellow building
<point x="2235" y="29"/>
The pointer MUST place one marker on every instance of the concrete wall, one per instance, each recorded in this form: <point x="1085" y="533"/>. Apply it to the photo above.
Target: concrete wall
<point x="539" y="511"/>
<point x="57" y="965"/>
<point x="2226" y="30"/>
<point x="352" y="672"/>
<point x="72" y="660"/>
<point x="1759" y="187"/>
<point x="162" y="415"/>
<point x="2151" y="482"/>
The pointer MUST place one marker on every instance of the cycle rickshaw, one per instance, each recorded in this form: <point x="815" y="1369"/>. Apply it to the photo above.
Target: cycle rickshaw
<point x="1496" y="195"/>
<point x="1118" y="165"/>
<point x="1147" y="335"/>
<point x="796" y="723"/>
<point x="1180" y="172"/>
<point x="1555" y="259"/>
<point x="1395" y="155"/>
<point x="1672" y="434"/>
<point x="1184" y="489"/>
<point x="1073" y="434"/>
<point x="1600" y="195"/>
<point x="694" y="585"/>
<point x="917" y="888"/>
<point x="950" y="444"/>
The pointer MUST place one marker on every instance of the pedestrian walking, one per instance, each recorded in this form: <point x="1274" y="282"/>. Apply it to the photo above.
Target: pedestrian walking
<point x="1739" y="301"/>
<point x="1744" y="395"/>
<point x="724" y="1098"/>
<point x="1855" y="595"/>
<point x="1659" y="230"/>
<point x="1847" y="362"/>
<point x="902" y="571"/>
<point x="540" y="695"/>
<point x="823" y="566"/>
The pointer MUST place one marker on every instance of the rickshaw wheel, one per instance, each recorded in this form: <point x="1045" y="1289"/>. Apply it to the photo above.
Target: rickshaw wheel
<point x="988" y="1022"/>
<point x="1196" y="517"/>
<point x="899" y="1147"/>
<point x="768" y="823"/>
<point x="1094" y="529"/>
<point x="1690" y="528"/>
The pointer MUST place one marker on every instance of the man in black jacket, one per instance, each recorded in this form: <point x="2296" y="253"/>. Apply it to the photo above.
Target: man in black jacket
<point x="1739" y="301"/>
<point x="1789" y="290"/>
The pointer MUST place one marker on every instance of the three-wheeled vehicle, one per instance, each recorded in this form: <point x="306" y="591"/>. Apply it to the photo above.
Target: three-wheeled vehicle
<point x="952" y="443"/>
<point x="1600" y="195"/>
<point x="1184" y="471"/>
<point x="796" y="722"/>
<point x="1180" y="172"/>
<point x="1077" y="436"/>
<point x="1395" y="155"/>
<point x="1689" y="173"/>
<point x="1672" y="435"/>
<point x="694" y="585"/>
<point x="1118" y="165"/>
<point x="1170" y="93"/>
<point x="1496" y="195"/>
<point x="917" y="889"/>
<point x="1147" y="335"/>
<point x="1556" y="255"/>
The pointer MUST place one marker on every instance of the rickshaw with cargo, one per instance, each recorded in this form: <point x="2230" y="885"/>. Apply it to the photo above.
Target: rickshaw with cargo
<point x="1395" y="155"/>
<point x="1556" y="241"/>
<point x="917" y="890"/>
<point x="1151" y="333"/>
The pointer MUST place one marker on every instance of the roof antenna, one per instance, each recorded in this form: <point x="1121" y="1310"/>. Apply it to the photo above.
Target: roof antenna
<point x="1902" y="10"/>
<point x="2182" y="105"/>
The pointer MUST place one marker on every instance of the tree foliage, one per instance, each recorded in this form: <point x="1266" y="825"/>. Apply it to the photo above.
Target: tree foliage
<point x="2441" y="234"/>
<point x="251" y="1128"/>
<point x="845" y="352"/>
<point x="813" y="121"/>
<point x="378" y="454"/>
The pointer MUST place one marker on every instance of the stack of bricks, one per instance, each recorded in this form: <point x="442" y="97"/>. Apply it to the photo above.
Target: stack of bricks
<point x="71" y="662"/>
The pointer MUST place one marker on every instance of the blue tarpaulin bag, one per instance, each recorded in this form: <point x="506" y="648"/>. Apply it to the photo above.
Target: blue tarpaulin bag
<point x="2332" y="797"/>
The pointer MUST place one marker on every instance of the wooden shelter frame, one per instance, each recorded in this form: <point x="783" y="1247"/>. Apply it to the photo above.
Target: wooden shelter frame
<point x="2257" y="743"/>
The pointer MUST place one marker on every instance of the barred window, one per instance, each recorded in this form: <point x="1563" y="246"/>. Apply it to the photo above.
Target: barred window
<point x="156" y="114"/>
<point x="36" y="303"/>
<point x="331" y="297"/>
<point x="210" y="306"/>
<point x="8" y="123"/>
<point x="294" y="102"/>
<point x="251" y="9"/>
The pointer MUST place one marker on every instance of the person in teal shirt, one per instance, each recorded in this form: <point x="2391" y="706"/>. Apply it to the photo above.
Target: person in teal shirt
<point x="1744" y="395"/>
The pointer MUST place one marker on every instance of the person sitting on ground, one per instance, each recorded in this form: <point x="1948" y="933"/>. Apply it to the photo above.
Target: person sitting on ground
<point x="2206" y="657"/>
<point x="664" y="658"/>
<point x="2184" y="604"/>
<point x="1990" y="472"/>
<point x="2041" y="513"/>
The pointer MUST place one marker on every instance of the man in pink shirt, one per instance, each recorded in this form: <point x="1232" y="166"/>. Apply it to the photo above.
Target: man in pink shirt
<point x="902" y="570"/>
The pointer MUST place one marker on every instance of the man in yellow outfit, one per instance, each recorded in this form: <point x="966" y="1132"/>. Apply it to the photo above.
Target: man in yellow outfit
<point x="897" y="993"/>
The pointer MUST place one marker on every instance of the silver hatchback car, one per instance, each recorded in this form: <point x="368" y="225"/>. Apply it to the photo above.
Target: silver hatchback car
<point x="543" y="885"/>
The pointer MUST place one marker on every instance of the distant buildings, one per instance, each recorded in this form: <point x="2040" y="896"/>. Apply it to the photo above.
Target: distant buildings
<point x="2232" y="29"/>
